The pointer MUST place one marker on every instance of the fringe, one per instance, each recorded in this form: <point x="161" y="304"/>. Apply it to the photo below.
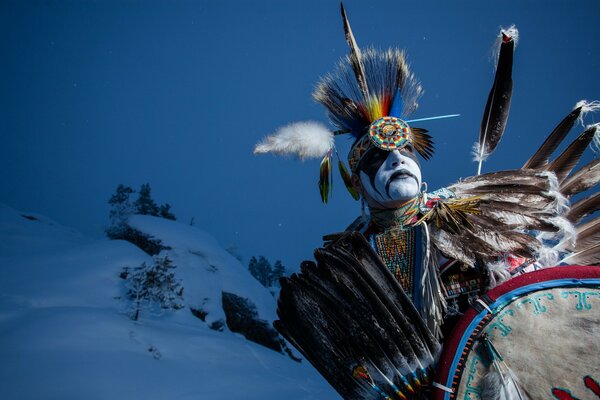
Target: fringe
<point x="433" y="301"/>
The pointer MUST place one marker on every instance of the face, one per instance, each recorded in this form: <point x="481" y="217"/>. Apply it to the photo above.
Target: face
<point x="389" y="178"/>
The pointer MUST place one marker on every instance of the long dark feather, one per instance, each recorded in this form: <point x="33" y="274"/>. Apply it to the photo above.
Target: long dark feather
<point x="355" y="56"/>
<point x="423" y="142"/>
<point x="583" y="208"/>
<point x="326" y="348"/>
<point x="587" y="177"/>
<point x="389" y="290"/>
<point x="589" y="256"/>
<point x="497" y="107"/>
<point x="325" y="178"/>
<point x="588" y="234"/>
<point x="568" y="159"/>
<point x="517" y="177"/>
<point x="348" y="310"/>
<point x="541" y="156"/>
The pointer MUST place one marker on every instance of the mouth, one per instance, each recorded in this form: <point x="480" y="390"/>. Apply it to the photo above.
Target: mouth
<point x="398" y="176"/>
<point x="402" y="174"/>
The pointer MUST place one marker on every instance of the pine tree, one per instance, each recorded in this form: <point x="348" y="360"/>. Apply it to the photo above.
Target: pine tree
<point x="278" y="272"/>
<point x="165" y="212"/>
<point x="253" y="267"/>
<point x="153" y="286"/>
<point x="144" y="204"/>
<point x="261" y="270"/>
<point x="120" y="209"/>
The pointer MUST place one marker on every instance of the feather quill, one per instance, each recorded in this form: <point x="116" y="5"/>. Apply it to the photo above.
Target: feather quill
<point x="541" y="156"/>
<point x="568" y="159"/>
<point x="587" y="177"/>
<point x="307" y="139"/>
<point x="497" y="107"/>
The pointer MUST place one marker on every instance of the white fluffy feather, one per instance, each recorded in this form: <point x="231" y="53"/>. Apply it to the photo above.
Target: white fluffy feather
<point x="478" y="154"/>
<point x="511" y="31"/>
<point x="586" y="107"/>
<point x="307" y="139"/>
<point x="596" y="142"/>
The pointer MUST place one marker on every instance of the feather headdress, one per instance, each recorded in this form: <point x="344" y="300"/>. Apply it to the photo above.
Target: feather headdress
<point x="369" y="95"/>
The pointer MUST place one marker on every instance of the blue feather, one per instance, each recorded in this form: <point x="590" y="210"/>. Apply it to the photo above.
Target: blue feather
<point x="397" y="105"/>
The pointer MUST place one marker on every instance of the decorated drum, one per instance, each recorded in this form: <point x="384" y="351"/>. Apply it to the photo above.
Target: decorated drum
<point x="544" y="329"/>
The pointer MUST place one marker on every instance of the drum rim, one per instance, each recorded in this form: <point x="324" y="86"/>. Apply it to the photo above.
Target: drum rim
<point x="561" y="276"/>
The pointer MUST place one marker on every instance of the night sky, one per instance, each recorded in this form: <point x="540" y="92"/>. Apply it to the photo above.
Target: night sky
<point x="174" y="93"/>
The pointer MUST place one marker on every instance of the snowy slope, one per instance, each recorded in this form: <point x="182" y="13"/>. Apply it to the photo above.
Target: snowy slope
<point x="63" y="333"/>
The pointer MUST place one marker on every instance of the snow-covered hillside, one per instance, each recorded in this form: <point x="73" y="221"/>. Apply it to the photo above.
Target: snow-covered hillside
<point x="64" y="332"/>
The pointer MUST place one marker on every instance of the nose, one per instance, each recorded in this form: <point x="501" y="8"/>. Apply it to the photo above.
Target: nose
<point x="396" y="159"/>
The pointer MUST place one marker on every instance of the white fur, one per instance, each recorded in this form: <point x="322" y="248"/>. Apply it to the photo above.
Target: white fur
<point x="307" y="139"/>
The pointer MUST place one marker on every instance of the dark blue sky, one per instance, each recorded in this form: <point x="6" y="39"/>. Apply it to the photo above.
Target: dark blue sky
<point x="97" y="93"/>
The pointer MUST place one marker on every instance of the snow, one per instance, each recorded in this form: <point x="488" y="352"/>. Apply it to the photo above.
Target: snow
<point x="64" y="334"/>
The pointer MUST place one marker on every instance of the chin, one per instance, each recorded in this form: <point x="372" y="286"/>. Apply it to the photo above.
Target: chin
<point x="404" y="193"/>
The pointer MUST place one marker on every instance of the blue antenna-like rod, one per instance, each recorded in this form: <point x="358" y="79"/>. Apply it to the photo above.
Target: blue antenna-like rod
<point x="430" y="118"/>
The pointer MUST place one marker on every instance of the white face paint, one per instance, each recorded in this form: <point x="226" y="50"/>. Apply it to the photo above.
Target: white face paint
<point x="397" y="180"/>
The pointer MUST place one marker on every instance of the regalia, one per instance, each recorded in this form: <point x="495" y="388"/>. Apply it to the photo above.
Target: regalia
<point x="452" y="267"/>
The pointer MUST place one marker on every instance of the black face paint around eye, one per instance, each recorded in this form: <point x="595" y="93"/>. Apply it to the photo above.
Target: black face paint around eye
<point x="371" y="162"/>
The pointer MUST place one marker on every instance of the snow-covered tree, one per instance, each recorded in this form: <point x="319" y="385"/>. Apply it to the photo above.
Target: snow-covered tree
<point x="152" y="287"/>
<point x="165" y="212"/>
<point x="120" y="209"/>
<point x="144" y="204"/>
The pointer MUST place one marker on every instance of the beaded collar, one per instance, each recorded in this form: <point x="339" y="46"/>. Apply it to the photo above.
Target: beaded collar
<point x="398" y="218"/>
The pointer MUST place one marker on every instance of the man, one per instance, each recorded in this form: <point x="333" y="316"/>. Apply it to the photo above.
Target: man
<point x="369" y="313"/>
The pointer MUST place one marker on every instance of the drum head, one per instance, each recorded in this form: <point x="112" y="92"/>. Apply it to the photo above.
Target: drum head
<point x="546" y="327"/>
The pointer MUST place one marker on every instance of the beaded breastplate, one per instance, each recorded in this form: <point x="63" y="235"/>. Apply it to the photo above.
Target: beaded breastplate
<point x="398" y="243"/>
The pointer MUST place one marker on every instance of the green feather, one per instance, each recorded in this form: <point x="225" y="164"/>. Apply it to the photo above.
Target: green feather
<point x="325" y="178"/>
<point x="347" y="180"/>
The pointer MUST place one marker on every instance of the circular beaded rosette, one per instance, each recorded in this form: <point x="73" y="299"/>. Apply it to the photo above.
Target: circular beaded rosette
<point x="389" y="133"/>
